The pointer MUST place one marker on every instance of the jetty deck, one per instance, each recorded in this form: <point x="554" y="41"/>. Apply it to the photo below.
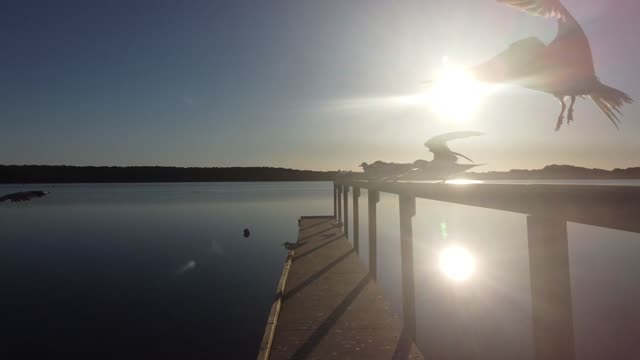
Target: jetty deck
<point x="328" y="306"/>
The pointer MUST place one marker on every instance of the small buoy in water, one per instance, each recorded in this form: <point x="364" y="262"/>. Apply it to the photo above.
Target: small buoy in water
<point x="246" y="233"/>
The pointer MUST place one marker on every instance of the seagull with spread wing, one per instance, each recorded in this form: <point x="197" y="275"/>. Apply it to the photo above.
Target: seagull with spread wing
<point x="563" y="68"/>
<point x="445" y="161"/>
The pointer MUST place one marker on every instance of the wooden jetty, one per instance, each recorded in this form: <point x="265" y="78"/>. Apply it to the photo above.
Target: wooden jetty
<point x="328" y="306"/>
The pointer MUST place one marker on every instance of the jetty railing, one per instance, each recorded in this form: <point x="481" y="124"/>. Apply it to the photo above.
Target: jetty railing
<point x="548" y="209"/>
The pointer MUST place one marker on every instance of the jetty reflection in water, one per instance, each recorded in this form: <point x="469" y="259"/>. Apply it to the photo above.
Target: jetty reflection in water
<point x="488" y="315"/>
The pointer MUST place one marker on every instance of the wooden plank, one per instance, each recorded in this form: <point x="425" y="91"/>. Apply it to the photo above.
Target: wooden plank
<point x="346" y="211"/>
<point x="331" y="307"/>
<point x="550" y="289"/>
<point x="614" y="207"/>
<point x="407" y="212"/>
<point x="339" y="204"/>
<point x="274" y="313"/>
<point x="356" y="219"/>
<point x="374" y="197"/>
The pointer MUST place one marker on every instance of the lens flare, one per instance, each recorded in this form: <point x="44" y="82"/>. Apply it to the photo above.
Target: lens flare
<point x="456" y="263"/>
<point x="455" y="93"/>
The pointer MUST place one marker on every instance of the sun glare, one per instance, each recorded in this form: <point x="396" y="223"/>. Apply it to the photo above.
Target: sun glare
<point x="455" y="93"/>
<point x="456" y="263"/>
<point x="463" y="181"/>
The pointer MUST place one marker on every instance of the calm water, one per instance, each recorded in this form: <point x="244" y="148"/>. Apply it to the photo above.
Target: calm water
<point x="135" y="270"/>
<point x="138" y="270"/>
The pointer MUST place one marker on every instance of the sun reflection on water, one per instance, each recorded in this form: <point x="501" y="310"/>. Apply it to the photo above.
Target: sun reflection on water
<point x="463" y="181"/>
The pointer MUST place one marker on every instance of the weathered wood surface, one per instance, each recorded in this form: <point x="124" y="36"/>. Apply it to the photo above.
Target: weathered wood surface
<point x="331" y="308"/>
<point x="614" y="207"/>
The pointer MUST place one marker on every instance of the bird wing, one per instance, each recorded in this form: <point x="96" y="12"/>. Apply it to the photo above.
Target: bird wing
<point x="570" y="41"/>
<point x="441" y="151"/>
<point x="567" y="24"/>
<point x="546" y="8"/>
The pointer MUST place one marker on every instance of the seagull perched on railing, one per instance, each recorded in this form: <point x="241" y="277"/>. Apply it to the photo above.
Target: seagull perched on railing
<point x="381" y="170"/>
<point x="445" y="161"/>
<point x="563" y="68"/>
<point x="23" y="196"/>
<point x="443" y="166"/>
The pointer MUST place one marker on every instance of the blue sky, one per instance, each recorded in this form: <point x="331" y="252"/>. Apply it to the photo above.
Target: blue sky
<point x="290" y="83"/>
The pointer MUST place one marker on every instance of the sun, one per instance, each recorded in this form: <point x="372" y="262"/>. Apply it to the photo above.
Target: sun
<point x="456" y="263"/>
<point x="455" y="93"/>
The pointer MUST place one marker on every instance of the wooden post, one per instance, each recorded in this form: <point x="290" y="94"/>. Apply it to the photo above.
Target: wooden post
<point x="335" y="201"/>
<point x="356" y="219"/>
<point x="550" y="288"/>
<point x="339" y="220"/>
<point x="374" y="197"/>
<point x="407" y="212"/>
<point x="346" y="210"/>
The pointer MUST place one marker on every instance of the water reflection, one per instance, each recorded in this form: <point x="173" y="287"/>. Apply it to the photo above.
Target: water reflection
<point x="146" y="270"/>
<point x="456" y="262"/>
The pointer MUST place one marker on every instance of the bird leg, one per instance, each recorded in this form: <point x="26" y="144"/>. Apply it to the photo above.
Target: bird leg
<point x="570" y="111"/>
<point x="561" y="116"/>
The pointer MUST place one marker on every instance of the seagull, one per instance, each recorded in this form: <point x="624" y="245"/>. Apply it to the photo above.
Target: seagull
<point x="445" y="161"/>
<point x="381" y="170"/>
<point x="23" y="196"/>
<point x="562" y="68"/>
<point x="290" y="245"/>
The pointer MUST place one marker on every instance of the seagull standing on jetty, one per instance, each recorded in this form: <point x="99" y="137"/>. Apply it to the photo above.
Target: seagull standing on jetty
<point x="445" y="161"/>
<point x="290" y="246"/>
<point x="381" y="170"/>
<point x="563" y="68"/>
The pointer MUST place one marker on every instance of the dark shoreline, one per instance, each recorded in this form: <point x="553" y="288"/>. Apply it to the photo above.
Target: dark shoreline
<point x="45" y="174"/>
<point x="33" y="174"/>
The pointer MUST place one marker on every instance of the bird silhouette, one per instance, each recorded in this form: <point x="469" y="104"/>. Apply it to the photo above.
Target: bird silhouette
<point x="23" y="196"/>
<point x="443" y="166"/>
<point x="445" y="161"/>
<point x="381" y="170"/>
<point x="290" y="246"/>
<point x="563" y="68"/>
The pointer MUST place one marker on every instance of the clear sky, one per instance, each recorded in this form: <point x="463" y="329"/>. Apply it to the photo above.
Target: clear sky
<point x="303" y="84"/>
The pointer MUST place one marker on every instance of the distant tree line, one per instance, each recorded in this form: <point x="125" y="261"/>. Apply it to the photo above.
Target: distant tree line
<point x="559" y="172"/>
<point x="93" y="174"/>
<point x="24" y="174"/>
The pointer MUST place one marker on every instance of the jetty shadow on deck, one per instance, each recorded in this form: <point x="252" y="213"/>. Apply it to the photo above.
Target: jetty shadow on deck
<point x="330" y="307"/>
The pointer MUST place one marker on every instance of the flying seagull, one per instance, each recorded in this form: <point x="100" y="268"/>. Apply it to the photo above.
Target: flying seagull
<point x="445" y="161"/>
<point x="23" y="196"/>
<point x="563" y="68"/>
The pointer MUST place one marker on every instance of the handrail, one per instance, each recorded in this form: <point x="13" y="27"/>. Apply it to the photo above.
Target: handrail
<point x="549" y="207"/>
<point x="614" y="207"/>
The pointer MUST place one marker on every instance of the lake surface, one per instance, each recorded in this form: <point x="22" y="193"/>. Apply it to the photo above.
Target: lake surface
<point x="141" y="270"/>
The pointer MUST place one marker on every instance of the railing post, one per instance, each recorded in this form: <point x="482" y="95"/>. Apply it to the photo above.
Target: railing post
<point x="339" y="220"/>
<point x="374" y="197"/>
<point x="356" y="219"/>
<point x="550" y="288"/>
<point x="407" y="212"/>
<point x="346" y="210"/>
<point x="335" y="201"/>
